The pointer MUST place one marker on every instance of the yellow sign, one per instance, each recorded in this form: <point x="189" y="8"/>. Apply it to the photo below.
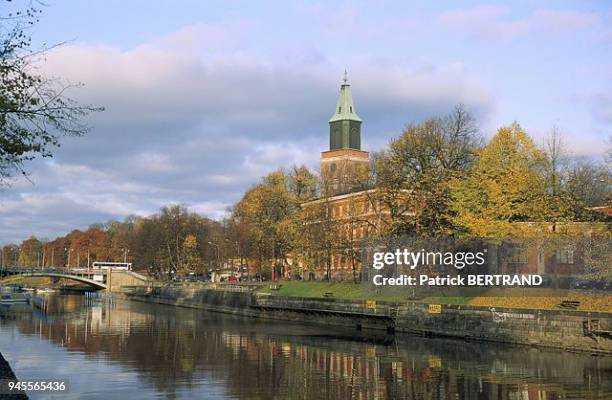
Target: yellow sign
<point x="370" y="303"/>
<point x="435" y="308"/>
<point x="435" y="361"/>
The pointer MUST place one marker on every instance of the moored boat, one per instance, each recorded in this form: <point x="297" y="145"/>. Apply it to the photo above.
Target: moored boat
<point x="14" y="297"/>
<point x="45" y="290"/>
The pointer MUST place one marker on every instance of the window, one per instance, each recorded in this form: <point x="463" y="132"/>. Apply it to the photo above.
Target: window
<point x="351" y="109"/>
<point x="517" y="254"/>
<point x="565" y="255"/>
<point x="339" y="110"/>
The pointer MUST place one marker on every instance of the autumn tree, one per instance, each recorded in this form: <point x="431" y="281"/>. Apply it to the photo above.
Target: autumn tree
<point x="269" y="215"/>
<point x="589" y="183"/>
<point x="34" y="109"/>
<point x="266" y="209"/>
<point x="556" y="161"/>
<point x="321" y="235"/>
<point x="413" y="175"/>
<point x="30" y="252"/>
<point x="301" y="183"/>
<point x="573" y="185"/>
<point x="506" y="185"/>
<point x="174" y="224"/>
<point x="10" y="254"/>
<point x="147" y="242"/>
<point x="192" y="260"/>
<point x="91" y="245"/>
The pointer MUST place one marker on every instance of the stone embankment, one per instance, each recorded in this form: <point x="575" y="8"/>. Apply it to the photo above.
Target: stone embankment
<point x="6" y="373"/>
<point x="565" y="329"/>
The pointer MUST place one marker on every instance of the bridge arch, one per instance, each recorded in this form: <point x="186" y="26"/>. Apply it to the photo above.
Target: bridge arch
<point x="90" y="282"/>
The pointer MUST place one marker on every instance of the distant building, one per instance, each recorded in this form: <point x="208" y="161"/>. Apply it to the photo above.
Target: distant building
<point x="344" y="193"/>
<point x="606" y="210"/>
<point x="344" y="167"/>
<point x="348" y="201"/>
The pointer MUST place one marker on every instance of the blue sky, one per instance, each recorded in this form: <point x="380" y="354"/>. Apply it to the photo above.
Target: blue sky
<point x="202" y="98"/>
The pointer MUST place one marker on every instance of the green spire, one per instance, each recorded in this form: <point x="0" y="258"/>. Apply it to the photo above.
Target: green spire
<point x="345" y="124"/>
<point x="345" y="109"/>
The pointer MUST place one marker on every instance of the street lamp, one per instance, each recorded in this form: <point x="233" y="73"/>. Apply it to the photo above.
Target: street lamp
<point x="15" y="252"/>
<point x="125" y="253"/>
<point x="237" y="253"/>
<point x="239" y="256"/>
<point x="69" y="252"/>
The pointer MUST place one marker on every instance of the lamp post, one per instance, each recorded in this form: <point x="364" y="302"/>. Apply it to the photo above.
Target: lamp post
<point x="125" y="253"/>
<point x="15" y="253"/>
<point x="69" y="252"/>
<point x="239" y="256"/>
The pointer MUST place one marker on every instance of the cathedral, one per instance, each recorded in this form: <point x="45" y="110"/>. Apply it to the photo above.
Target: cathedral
<point x="346" y="211"/>
<point x="344" y="167"/>
<point x="349" y="210"/>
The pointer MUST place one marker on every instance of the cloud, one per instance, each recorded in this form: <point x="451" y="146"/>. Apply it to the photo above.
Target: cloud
<point x="497" y="22"/>
<point x="601" y="106"/>
<point x="197" y="117"/>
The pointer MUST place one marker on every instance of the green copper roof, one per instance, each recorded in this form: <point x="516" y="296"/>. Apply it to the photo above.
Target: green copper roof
<point x="345" y="109"/>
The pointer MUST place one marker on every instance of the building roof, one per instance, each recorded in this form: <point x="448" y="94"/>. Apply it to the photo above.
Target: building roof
<point x="345" y="108"/>
<point x="607" y="210"/>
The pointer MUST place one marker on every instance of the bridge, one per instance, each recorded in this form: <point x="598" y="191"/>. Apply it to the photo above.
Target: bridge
<point x="99" y="279"/>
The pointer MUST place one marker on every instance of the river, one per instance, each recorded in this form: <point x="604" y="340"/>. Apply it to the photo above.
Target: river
<point x="116" y="349"/>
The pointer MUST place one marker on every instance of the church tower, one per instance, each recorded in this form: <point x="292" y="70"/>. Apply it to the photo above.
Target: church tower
<point x="344" y="167"/>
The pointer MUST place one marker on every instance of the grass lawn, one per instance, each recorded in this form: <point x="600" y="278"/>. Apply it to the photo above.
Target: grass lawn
<point x="349" y="291"/>
<point x="339" y="290"/>
<point x="514" y="299"/>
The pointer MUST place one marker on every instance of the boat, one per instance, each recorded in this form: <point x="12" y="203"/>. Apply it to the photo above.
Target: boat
<point x="45" y="290"/>
<point x="15" y="297"/>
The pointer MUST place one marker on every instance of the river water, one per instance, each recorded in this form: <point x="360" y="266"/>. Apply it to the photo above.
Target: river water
<point x="115" y="349"/>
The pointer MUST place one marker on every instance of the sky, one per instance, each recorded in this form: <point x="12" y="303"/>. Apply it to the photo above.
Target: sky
<point x="203" y="98"/>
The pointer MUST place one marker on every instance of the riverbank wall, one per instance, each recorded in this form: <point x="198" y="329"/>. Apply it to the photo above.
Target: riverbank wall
<point x="6" y="373"/>
<point x="562" y="329"/>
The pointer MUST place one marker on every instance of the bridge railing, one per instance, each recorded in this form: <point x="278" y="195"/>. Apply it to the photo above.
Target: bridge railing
<point x="59" y="270"/>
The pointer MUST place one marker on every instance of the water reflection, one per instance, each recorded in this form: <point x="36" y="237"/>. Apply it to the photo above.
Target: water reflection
<point x="151" y="350"/>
